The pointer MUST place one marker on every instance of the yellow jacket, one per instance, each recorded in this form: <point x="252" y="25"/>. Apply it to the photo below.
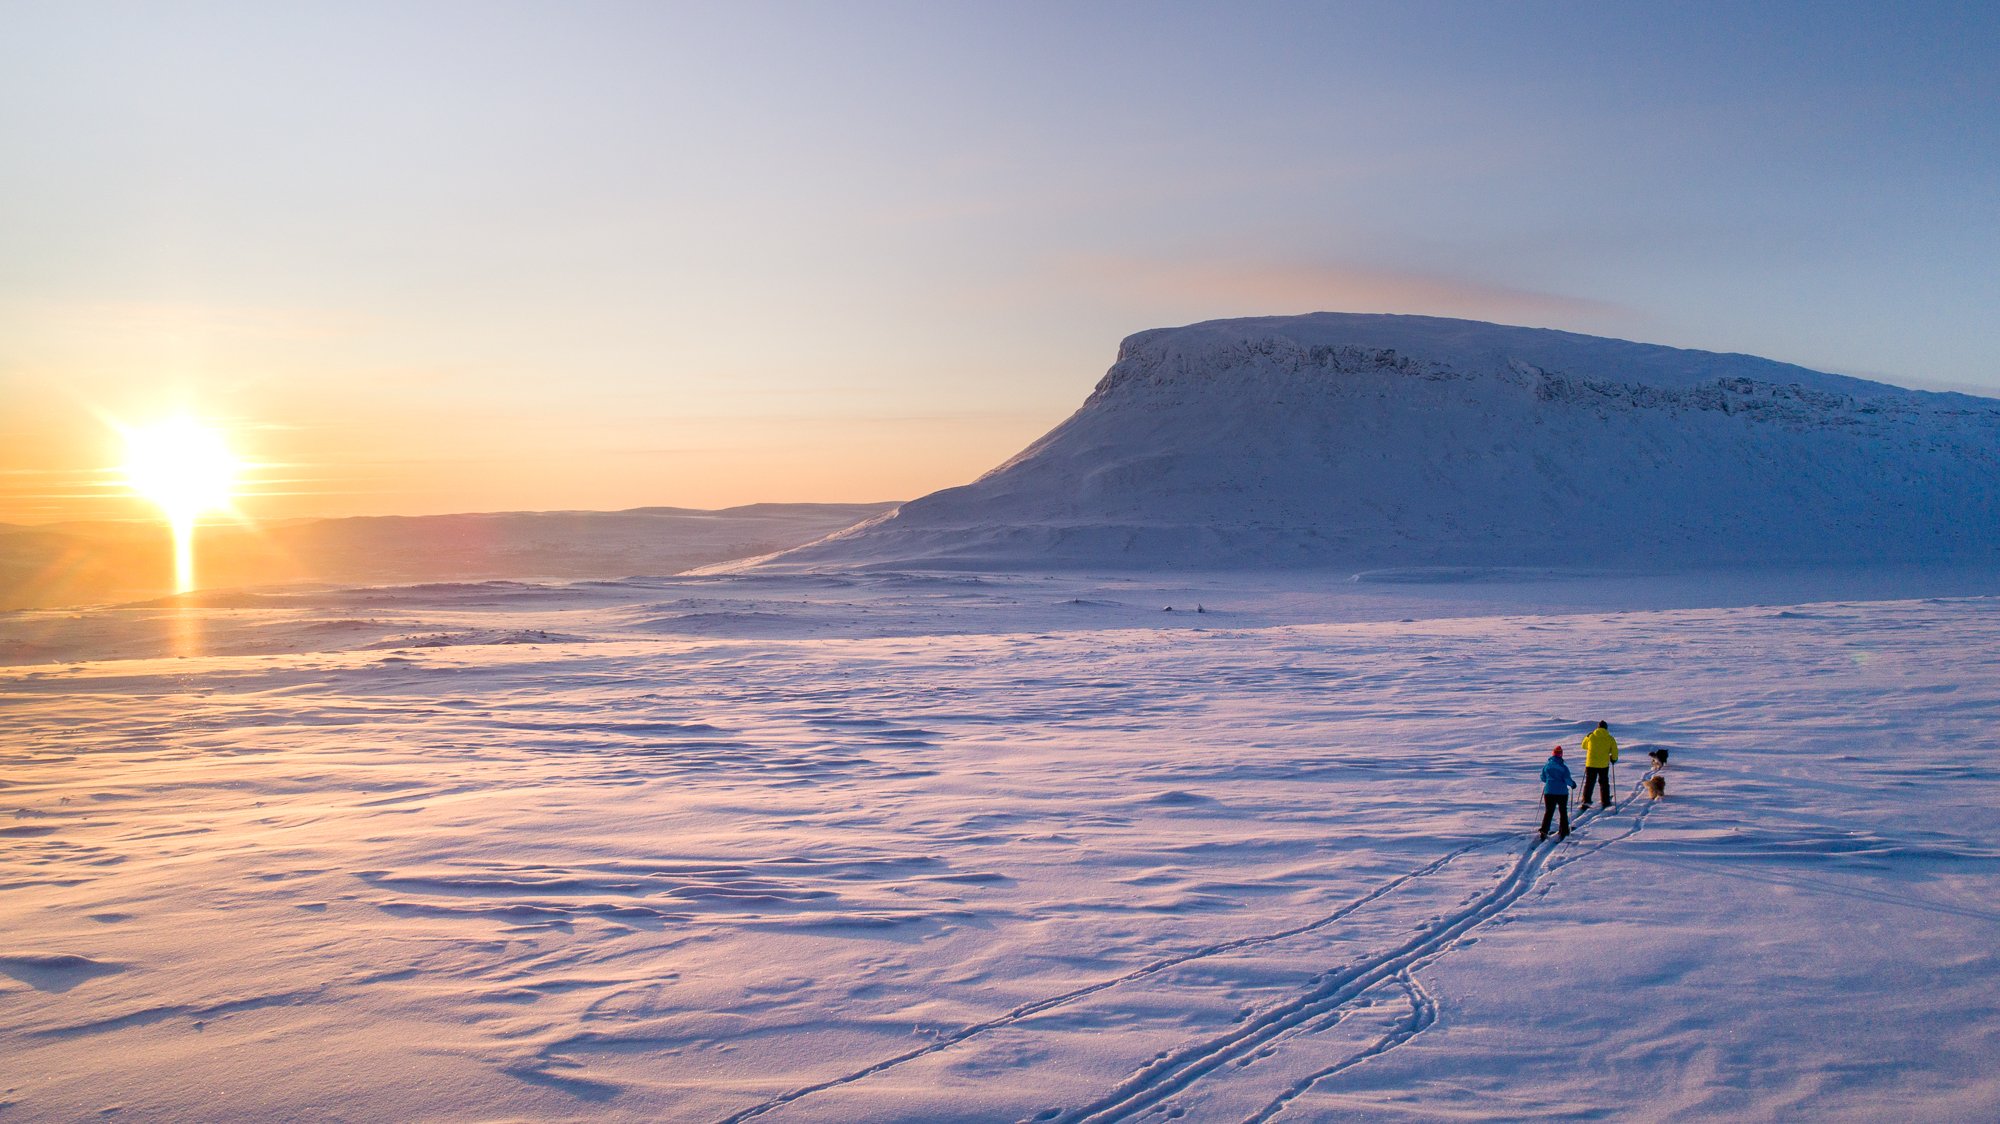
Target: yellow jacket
<point x="1600" y="749"/>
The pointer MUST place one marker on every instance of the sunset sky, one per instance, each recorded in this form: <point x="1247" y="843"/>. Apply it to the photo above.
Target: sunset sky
<point x="427" y="257"/>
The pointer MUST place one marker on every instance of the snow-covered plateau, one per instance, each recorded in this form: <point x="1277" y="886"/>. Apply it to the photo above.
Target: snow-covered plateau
<point x="1344" y="440"/>
<point x="896" y="847"/>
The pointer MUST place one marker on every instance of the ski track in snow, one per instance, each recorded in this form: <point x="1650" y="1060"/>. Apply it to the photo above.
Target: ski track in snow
<point x="1424" y="1011"/>
<point x="1157" y="966"/>
<point x="1423" y="1015"/>
<point x="1161" y="1080"/>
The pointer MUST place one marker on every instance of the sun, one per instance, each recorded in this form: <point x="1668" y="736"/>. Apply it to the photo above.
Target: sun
<point x="182" y="465"/>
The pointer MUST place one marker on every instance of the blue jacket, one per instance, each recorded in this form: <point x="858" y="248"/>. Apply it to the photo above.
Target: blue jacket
<point x="1555" y="778"/>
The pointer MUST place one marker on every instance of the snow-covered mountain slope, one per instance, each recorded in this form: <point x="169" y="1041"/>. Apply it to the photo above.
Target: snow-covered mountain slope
<point x="1380" y="441"/>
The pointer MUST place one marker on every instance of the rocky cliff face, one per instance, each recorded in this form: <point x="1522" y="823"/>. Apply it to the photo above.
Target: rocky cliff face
<point x="1338" y="440"/>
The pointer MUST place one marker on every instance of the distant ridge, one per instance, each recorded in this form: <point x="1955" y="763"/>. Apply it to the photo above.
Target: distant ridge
<point x="1347" y="440"/>
<point x="83" y="563"/>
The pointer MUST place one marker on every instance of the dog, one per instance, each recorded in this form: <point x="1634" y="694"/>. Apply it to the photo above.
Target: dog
<point x="1659" y="757"/>
<point x="1656" y="786"/>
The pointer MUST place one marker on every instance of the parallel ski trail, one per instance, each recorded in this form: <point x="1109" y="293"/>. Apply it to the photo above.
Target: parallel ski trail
<point x="1038" y="1006"/>
<point x="1167" y="1076"/>
<point x="1177" y="1071"/>
<point x="1424" y="1012"/>
<point x="1422" y="1015"/>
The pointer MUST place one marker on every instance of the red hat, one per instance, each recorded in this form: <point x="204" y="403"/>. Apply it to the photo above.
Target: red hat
<point x="1558" y="752"/>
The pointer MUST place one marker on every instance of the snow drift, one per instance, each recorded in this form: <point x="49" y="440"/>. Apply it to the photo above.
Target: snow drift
<point x="1342" y="440"/>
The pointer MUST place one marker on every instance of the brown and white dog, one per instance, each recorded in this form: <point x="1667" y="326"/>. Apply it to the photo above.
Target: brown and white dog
<point x="1656" y="786"/>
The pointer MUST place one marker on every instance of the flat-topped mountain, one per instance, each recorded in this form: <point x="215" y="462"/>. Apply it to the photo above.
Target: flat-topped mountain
<point x="1343" y="440"/>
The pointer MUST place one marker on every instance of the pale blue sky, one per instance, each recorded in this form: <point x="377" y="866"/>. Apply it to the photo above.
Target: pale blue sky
<point x="450" y="256"/>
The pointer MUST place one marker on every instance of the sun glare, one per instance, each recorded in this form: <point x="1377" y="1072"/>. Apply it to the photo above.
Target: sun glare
<point x="183" y="466"/>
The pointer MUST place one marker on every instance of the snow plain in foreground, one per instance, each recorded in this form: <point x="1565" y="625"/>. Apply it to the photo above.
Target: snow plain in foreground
<point x="916" y="848"/>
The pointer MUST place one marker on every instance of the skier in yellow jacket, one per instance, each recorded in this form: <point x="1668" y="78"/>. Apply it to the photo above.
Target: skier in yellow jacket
<point x="1600" y="749"/>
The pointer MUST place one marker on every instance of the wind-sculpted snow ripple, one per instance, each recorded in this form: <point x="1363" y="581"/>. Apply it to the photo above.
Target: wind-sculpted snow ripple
<point x="1829" y="846"/>
<point x="862" y="891"/>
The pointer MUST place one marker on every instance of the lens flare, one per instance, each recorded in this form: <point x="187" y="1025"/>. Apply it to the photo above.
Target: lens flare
<point x="183" y="466"/>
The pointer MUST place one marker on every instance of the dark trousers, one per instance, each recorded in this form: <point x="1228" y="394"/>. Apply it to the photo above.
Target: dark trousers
<point x="1599" y="777"/>
<point x="1550" y="803"/>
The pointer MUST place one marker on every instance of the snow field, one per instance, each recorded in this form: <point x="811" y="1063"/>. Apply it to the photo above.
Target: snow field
<point x="1020" y="858"/>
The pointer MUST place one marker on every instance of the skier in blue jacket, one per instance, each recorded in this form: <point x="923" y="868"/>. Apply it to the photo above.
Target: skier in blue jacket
<point x="1556" y="783"/>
